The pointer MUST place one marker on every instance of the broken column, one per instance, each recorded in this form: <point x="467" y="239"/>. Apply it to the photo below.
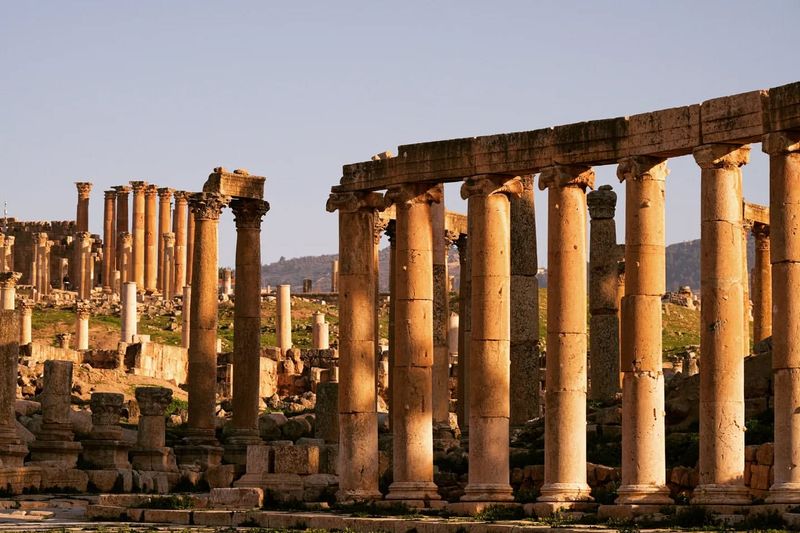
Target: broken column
<point x="150" y="453"/>
<point x="762" y="285"/>
<point x="137" y="230"/>
<point x="411" y="410"/>
<point x="179" y="217"/>
<point x="784" y="174"/>
<point x="335" y="276"/>
<point x="12" y="449"/>
<point x="109" y="249"/>
<point x="565" y="390"/>
<point x="8" y="289"/>
<point x="105" y="449"/>
<point x="319" y="332"/>
<point x="82" y="216"/>
<point x="129" y="318"/>
<point x="55" y="441"/>
<point x="150" y="238"/>
<point x="643" y="458"/>
<point x="125" y="257"/>
<point x="83" y="311"/>
<point x="227" y="282"/>
<point x="164" y="212"/>
<point x="284" y="321"/>
<point x="26" y="314"/>
<point x="358" y="417"/>
<point x="722" y="424"/>
<point x="524" y="308"/>
<point x="489" y="211"/>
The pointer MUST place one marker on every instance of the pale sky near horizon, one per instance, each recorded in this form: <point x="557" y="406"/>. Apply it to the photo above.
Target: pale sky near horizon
<point x="165" y="91"/>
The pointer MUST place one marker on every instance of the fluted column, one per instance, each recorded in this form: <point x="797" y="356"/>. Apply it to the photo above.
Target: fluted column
<point x="489" y="211"/>
<point x="82" y="215"/>
<point x="565" y="375"/>
<point x="464" y="332"/>
<point x="150" y="238"/>
<point x="412" y="406"/>
<point x="722" y="424"/>
<point x="179" y="219"/>
<point x="358" y="417"/>
<point x="164" y="212"/>
<point x="762" y="285"/>
<point x="247" y="320"/>
<point x="784" y="210"/>
<point x="137" y="230"/>
<point x="441" y="299"/>
<point x="643" y="458"/>
<point x="109" y="250"/>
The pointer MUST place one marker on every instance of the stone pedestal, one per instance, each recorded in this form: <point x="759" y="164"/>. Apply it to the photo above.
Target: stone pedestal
<point x="762" y="285"/>
<point x="82" y="313"/>
<point x="784" y="175"/>
<point x="412" y="412"/>
<point x="489" y="211"/>
<point x="358" y="418"/>
<point x="565" y="396"/>
<point x="137" y="230"/>
<point x="722" y="424"/>
<point x="164" y="212"/>
<point x="129" y="316"/>
<point x="150" y="238"/>
<point x="150" y="452"/>
<point x="105" y="450"/>
<point x="284" y="321"/>
<point x="55" y="442"/>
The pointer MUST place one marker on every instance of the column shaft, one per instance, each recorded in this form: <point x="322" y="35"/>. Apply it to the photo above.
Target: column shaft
<point x="190" y="223"/>
<point x="284" y="322"/>
<point x="124" y="265"/>
<point x="108" y="240"/>
<point x="464" y="312"/>
<point x="137" y="230"/>
<point x="762" y="285"/>
<point x="441" y="299"/>
<point x="164" y="211"/>
<point x="151" y="238"/>
<point x="179" y="219"/>
<point x="82" y="215"/>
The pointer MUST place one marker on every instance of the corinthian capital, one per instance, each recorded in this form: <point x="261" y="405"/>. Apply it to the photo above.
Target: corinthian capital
<point x="642" y="167"/>
<point x="84" y="188"/>
<point x="354" y="201"/>
<point x="207" y="205"/>
<point x="488" y="184"/>
<point x="138" y="186"/>
<point x="414" y="193"/>
<point x="567" y="176"/>
<point x="602" y="203"/>
<point x="248" y="212"/>
<point x="719" y="156"/>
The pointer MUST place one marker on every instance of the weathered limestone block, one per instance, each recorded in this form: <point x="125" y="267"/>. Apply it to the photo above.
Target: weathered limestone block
<point x="296" y="459"/>
<point x="237" y="498"/>
<point x="106" y="450"/>
<point x="326" y="410"/>
<point x="55" y="441"/>
<point x="238" y="184"/>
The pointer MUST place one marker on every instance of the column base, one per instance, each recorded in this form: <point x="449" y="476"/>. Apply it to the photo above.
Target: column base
<point x="235" y="447"/>
<point x="413" y="491"/>
<point x="719" y="494"/>
<point x="488" y="492"/>
<point x="565" y="492"/>
<point x="358" y="495"/>
<point x="473" y="508"/>
<point x="13" y="455"/>
<point x="643" y="494"/>
<point x="784" y="493"/>
<point x="202" y="455"/>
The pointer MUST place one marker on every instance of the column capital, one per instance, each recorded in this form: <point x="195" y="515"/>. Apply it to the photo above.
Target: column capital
<point x="355" y="201"/>
<point x="602" y="203"/>
<point x="567" y="176"/>
<point x="153" y="401"/>
<point x="138" y="186"/>
<point x="488" y="184"/>
<point x="208" y="205"/>
<point x="150" y="190"/>
<point x="379" y="226"/>
<point x="84" y="188"/>
<point x="40" y="239"/>
<point x="122" y="190"/>
<point x="165" y="193"/>
<point x="450" y="237"/>
<point x="642" y="167"/>
<point x="25" y="305"/>
<point x="248" y="212"/>
<point x="125" y="238"/>
<point x="781" y="142"/>
<point x="8" y="280"/>
<point x="110" y="194"/>
<point x="719" y="156"/>
<point x="80" y="236"/>
<point x="181" y="196"/>
<point x="168" y="238"/>
<point x="760" y="232"/>
<point x="83" y="309"/>
<point x="414" y="193"/>
<point x="391" y="231"/>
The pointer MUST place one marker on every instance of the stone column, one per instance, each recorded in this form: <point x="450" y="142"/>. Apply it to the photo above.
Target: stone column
<point x="565" y="374"/>
<point x="82" y="257"/>
<point x="784" y="207"/>
<point x="7" y="253"/>
<point x="137" y="230"/>
<point x="335" y="276"/>
<point x="412" y="410"/>
<point x="186" y="314"/>
<point x="109" y="250"/>
<point x="12" y="450"/>
<point x="189" y="246"/>
<point x="150" y="453"/>
<point x="129" y="317"/>
<point x="464" y="332"/>
<point x="8" y="289"/>
<point x="63" y="272"/>
<point x="358" y="417"/>
<point x="721" y="465"/>
<point x="441" y="305"/>
<point x="105" y="449"/>
<point x="489" y="211"/>
<point x="247" y="322"/>
<point x="391" y="235"/>
<point x="319" y="332"/>
<point x="227" y="282"/>
<point x="179" y="218"/>
<point x="150" y="238"/>
<point x="121" y="227"/>
<point x="284" y="322"/>
<point x="202" y="445"/>
<point x="26" y="314"/>
<point x="762" y="285"/>
<point x="125" y="256"/>
<point x="643" y="460"/>
<point x="604" y="365"/>
<point x="82" y="312"/>
<point x="524" y="308"/>
<point x="55" y="440"/>
<point x="452" y="335"/>
<point x="82" y="216"/>
<point x="167" y="274"/>
<point x="164" y="212"/>
<point x="747" y="226"/>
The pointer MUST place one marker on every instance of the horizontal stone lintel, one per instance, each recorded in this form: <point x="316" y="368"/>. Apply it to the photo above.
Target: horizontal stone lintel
<point x="737" y="119"/>
<point x="756" y="213"/>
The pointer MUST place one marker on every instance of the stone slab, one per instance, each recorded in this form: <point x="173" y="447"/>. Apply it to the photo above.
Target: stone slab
<point x="212" y="518"/>
<point x="236" y="184"/>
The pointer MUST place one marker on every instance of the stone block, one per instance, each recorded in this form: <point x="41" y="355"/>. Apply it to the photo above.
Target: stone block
<point x="110" y="480"/>
<point x="759" y="477"/>
<point x="765" y="454"/>
<point x="329" y="459"/>
<point x="260" y="459"/>
<point x="212" y="518"/>
<point x="665" y="132"/>
<point x="220" y="476"/>
<point x="296" y="459"/>
<point x="56" y="479"/>
<point x="731" y="118"/>
<point x="319" y="487"/>
<point x="106" y="513"/>
<point x="237" y="498"/>
<point x="784" y="107"/>
<point x="750" y="452"/>
<point x="167" y="516"/>
<point x="238" y="183"/>
<point x="327" y="412"/>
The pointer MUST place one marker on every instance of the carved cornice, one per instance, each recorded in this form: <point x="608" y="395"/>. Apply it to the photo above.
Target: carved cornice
<point x="248" y="212"/>
<point x="207" y="205"/>
<point x="642" y="167"/>
<point x="567" y="176"/>
<point x="416" y="193"/>
<point x="721" y="156"/>
<point x="350" y="202"/>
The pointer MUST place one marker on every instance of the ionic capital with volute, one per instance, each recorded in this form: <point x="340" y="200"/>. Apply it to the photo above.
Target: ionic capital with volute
<point x="567" y="176"/>
<point x="721" y="156"/>
<point x="488" y="184"/>
<point x="208" y="205"/>
<point x="248" y="212"/>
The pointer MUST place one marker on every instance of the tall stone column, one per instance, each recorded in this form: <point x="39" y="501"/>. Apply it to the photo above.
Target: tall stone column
<point x="82" y="215"/>
<point x="247" y="322"/>
<point x="284" y="322"/>
<point x="747" y="226"/>
<point x="121" y="227"/>
<point x="412" y="408"/>
<point x="391" y="235"/>
<point x="179" y="218"/>
<point x="441" y="310"/>
<point x="201" y="442"/>
<point x="129" y="317"/>
<point x="150" y="238"/>
<point x="167" y="273"/>
<point x="762" y="285"/>
<point x="784" y="209"/>
<point x="12" y="449"/>
<point x="489" y="211"/>
<point x="137" y="230"/>
<point x="721" y="465"/>
<point x="643" y="458"/>
<point x="109" y="250"/>
<point x="125" y="256"/>
<point x="190" y="223"/>
<point x="8" y="289"/>
<point x="358" y="417"/>
<point x="82" y="257"/>
<point x="186" y="316"/>
<point x="164" y="212"/>
<point x="524" y="308"/>
<point x="335" y="276"/>
<point x="26" y="315"/>
<point x="82" y="313"/>
<point x="63" y="272"/>
<point x="565" y="375"/>
<point x="464" y="332"/>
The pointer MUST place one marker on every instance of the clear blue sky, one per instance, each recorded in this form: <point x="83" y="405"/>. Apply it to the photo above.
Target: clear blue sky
<point x="165" y="91"/>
